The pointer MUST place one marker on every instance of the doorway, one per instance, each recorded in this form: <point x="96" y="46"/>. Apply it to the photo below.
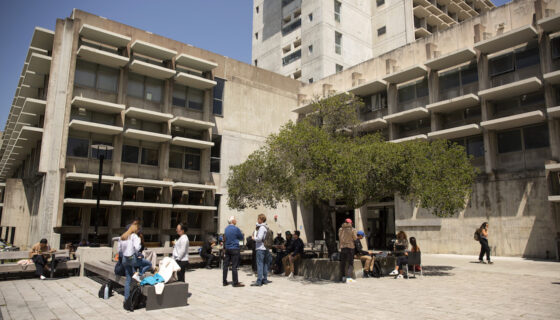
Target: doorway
<point x="380" y="227"/>
<point x="340" y="217"/>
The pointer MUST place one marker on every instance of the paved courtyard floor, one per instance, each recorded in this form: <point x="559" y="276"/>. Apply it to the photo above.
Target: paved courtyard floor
<point x="453" y="287"/>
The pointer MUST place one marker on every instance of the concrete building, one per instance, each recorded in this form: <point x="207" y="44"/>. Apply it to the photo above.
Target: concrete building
<point x="311" y="39"/>
<point x="491" y="85"/>
<point x="176" y="116"/>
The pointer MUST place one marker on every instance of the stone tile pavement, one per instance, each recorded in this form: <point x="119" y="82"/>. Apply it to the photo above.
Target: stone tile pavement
<point x="453" y="287"/>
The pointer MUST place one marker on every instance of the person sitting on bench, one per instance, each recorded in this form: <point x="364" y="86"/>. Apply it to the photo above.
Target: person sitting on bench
<point x="364" y="256"/>
<point x="206" y="251"/>
<point x="40" y="254"/>
<point x="294" y="254"/>
<point x="403" y="260"/>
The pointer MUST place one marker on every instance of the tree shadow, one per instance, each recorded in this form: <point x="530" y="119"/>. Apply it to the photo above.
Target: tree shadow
<point x="436" y="271"/>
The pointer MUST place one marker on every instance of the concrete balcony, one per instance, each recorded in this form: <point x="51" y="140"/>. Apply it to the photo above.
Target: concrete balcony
<point x="513" y="89"/>
<point x="191" y="123"/>
<point x="193" y="186"/>
<point x="451" y="59"/>
<point x="103" y="36"/>
<point x="550" y="24"/>
<point x="514" y="121"/>
<point x="407" y="74"/>
<point x="192" y="143"/>
<point x="408" y="115"/>
<point x="76" y="176"/>
<point x="92" y="202"/>
<point x="148" y="115"/>
<point x="552" y="77"/>
<point x="421" y="11"/>
<point x="138" y="204"/>
<point x="101" y="57"/>
<point x="458" y="132"/>
<point x="93" y="127"/>
<point x="147" y="183"/>
<point x="34" y="80"/>
<point x="28" y="92"/>
<point x="152" y="50"/>
<point x="193" y="81"/>
<point x="42" y="39"/>
<point x="303" y="109"/>
<point x="454" y="104"/>
<point x="194" y="207"/>
<point x="421" y="32"/>
<point x="552" y="167"/>
<point x="39" y="63"/>
<point x="146" y="135"/>
<point x="554" y="199"/>
<point x="507" y="40"/>
<point x="371" y="125"/>
<point x="97" y="105"/>
<point x="151" y="70"/>
<point x="553" y="112"/>
<point x="368" y="88"/>
<point x="195" y="63"/>
<point x="412" y="138"/>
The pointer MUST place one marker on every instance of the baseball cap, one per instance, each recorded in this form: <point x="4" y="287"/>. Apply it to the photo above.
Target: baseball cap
<point x="361" y="233"/>
<point x="348" y="220"/>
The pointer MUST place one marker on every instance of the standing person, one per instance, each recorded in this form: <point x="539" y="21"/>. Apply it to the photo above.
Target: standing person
<point x="364" y="256"/>
<point x="40" y="254"/>
<point x="484" y="247"/>
<point x="294" y="253"/>
<point x="206" y="251"/>
<point x="181" y="250"/>
<point x="232" y="236"/>
<point x="346" y="237"/>
<point x="262" y="253"/>
<point x="129" y="246"/>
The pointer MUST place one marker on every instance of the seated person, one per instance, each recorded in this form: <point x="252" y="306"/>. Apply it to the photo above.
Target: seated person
<point x="278" y="241"/>
<point x="40" y="254"/>
<point x="206" y="251"/>
<point x="281" y="252"/>
<point x="403" y="260"/>
<point x="364" y="256"/>
<point x="293" y="253"/>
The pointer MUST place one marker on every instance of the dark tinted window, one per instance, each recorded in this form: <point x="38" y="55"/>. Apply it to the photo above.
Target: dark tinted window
<point x="218" y="95"/>
<point x="509" y="141"/>
<point x="449" y="80"/>
<point x="150" y="157"/>
<point x="130" y="154"/>
<point x="536" y="137"/>
<point x="527" y="58"/>
<point x="77" y="147"/>
<point x="501" y="64"/>
<point x="475" y="146"/>
<point x="72" y="216"/>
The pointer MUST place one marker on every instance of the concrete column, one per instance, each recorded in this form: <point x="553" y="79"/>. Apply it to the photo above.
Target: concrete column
<point x="392" y="107"/>
<point x="486" y="111"/>
<point x="433" y="89"/>
<point x="550" y="96"/>
<point x="118" y="140"/>
<point x="53" y="150"/>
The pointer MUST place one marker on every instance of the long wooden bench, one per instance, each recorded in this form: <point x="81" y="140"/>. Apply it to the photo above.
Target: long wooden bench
<point x="175" y="294"/>
<point x="14" y="256"/>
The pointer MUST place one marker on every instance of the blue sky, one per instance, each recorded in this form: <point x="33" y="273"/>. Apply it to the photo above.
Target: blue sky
<point x="221" y="26"/>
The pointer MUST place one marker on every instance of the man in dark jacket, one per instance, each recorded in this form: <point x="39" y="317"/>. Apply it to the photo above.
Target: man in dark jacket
<point x="294" y="254"/>
<point x="206" y="251"/>
<point x="364" y="256"/>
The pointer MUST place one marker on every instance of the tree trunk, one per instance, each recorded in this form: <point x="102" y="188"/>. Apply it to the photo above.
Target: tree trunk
<point x="330" y="235"/>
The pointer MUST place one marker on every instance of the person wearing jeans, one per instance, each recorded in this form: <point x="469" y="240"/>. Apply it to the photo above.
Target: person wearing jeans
<point x="484" y="247"/>
<point x="262" y="254"/>
<point x="232" y="236"/>
<point x="129" y="245"/>
<point x="347" y="236"/>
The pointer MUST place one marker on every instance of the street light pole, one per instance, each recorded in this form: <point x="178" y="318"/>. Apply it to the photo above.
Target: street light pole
<point x="101" y="156"/>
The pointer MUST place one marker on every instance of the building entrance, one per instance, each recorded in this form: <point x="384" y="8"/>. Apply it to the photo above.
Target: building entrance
<point x="380" y="227"/>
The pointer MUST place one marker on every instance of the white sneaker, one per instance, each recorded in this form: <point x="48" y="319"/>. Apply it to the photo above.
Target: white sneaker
<point x="136" y="277"/>
<point x="42" y="277"/>
<point x="394" y="273"/>
<point x="291" y="276"/>
<point x="350" y="280"/>
<point x="400" y="276"/>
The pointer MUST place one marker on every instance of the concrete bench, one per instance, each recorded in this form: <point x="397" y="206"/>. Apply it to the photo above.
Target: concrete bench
<point x="324" y="269"/>
<point x="175" y="294"/>
<point x="13" y="267"/>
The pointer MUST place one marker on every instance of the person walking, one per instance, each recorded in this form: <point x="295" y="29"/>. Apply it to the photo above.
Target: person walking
<point x="181" y="250"/>
<point x="262" y="253"/>
<point x="232" y="236"/>
<point x="346" y="237"/>
<point x="484" y="247"/>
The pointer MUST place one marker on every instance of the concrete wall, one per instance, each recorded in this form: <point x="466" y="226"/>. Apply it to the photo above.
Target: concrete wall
<point x="17" y="211"/>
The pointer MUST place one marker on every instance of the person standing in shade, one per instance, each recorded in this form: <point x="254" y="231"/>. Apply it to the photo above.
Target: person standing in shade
<point x="484" y="247"/>
<point x="262" y="253"/>
<point x="232" y="236"/>
<point x="40" y="254"/>
<point x="181" y="250"/>
<point x="346" y="237"/>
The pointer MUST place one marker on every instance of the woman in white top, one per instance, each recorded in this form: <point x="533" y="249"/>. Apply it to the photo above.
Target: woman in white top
<point x="129" y="245"/>
<point x="181" y="250"/>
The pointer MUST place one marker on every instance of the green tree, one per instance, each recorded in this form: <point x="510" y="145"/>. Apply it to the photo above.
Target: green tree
<point x="323" y="161"/>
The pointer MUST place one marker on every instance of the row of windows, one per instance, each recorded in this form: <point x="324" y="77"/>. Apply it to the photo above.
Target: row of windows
<point x="106" y="79"/>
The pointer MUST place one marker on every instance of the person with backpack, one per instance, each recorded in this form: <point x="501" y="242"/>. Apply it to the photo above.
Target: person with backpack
<point x="347" y="236"/>
<point x="294" y="254"/>
<point x="483" y="239"/>
<point x="263" y="242"/>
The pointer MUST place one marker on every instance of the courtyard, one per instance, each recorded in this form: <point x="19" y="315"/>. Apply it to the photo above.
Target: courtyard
<point x="453" y="287"/>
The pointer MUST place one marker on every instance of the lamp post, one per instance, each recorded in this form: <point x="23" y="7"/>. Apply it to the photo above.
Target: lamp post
<point x="101" y="156"/>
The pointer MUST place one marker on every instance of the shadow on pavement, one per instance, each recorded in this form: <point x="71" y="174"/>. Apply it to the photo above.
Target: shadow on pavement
<point x="436" y="271"/>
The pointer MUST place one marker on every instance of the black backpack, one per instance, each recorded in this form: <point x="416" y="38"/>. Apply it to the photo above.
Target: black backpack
<point x="377" y="269"/>
<point x="136" y="300"/>
<point x="101" y="293"/>
<point x="335" y="256"/>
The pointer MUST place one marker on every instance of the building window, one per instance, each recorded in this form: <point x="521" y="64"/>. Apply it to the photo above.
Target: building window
<point x="256" y="36"/>
<point x="458" y="82"/>
<point x="146" y="88"/>
<point x="130" y="153"/>
<point x="375" y="102"/>
<point x="513" y="66"/>
<point x="215" y="154"/>
<point x="192" y="159"/>
<point x="95" y="76"/>
<point x="77" y="147"/>
<point x="310" y="80"/>
<point x="176" y="158"/>
<point x="103" y="217"/>
<point x="310" y="16"/>
<point x="533" y="137"/>
<point x="380" y="2"/>
<point x="474" y="146"/>
<point x="337" y="42"/>
<point x="256" y="62"/>
<point x="188" y="97"/>
<point x="291" y="57"/>
<point x="524" y="103"/>
<point x="337" y="6"/>
<point x="150" y="157"/>
<point x="413" y="95"/>
<point x="310" y="50"/>
<point x="381" y="31"/>
<point x="72" y="216"/>
<point x="218" y="96"/>
<point x="286" y="2"/>
<point x="257" y="9"/>
<point x="291" y="27"/>
<point x="339" y="68"/>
